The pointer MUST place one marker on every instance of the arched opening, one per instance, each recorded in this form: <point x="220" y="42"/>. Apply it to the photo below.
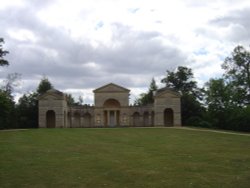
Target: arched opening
<point x="77" y="119"/>
<point x="111" y="103"/>
<point x="87" y="120"/>
<point x="168" y="117"/>
<point x="112" y="113"/>
<point x="145" y="119"/>
<point x="136" y="119"/>
<point x="112" y="118"/>
<point x="65" y="119"/>
<point x="51" y="119"/>
<point x="69" y="120"/>
<point x="152" y="118"/>
<point x="124" y="118"/>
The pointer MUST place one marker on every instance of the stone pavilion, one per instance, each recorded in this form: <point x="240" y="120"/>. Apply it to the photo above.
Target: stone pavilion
<point x="111" y="109"/>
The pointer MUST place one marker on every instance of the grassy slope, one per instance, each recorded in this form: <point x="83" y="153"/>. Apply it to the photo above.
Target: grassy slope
<point x="123" y="158"/>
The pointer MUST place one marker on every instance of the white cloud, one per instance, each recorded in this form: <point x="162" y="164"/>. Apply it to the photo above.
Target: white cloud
<point x="23" y="35"/>
<point x="81" y="45"/>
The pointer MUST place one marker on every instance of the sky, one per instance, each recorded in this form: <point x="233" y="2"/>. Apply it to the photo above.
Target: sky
<point x="80" y="45"/>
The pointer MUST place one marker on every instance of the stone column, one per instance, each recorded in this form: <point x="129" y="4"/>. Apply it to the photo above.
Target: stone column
<point x="118" y="118"/>
<point x="108" y="118"/>
<point x="115" y="117"/>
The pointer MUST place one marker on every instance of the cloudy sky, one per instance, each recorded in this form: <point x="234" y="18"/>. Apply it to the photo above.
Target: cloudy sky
<point x="83" y="44"/>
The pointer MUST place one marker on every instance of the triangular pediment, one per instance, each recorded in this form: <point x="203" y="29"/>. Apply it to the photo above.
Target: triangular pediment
<point x="167" y="93"/>
<point x="111" y="88"/>
<point x="51" y="95"/>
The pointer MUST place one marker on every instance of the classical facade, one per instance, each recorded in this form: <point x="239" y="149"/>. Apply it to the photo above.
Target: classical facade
<point x="111" y="109"/>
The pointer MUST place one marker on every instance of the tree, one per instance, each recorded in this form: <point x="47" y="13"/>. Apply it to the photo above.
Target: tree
<point x="152" y="88"/>
<point x="7" y="110"/>
<point x="7" y="103"/>
<point x="3" y="62"/>
<point x="11" y="82"/>
<point x="182" y="81"/>
<point x="44" y="86"/>
<point x="228" y="98"/>
<point x="141" y="100"/>
<point x="237" y="73"/>
<point x="70" y="99"/>
<point x="147" y="98"/>
<point x="80" y="100"/>
<point x="239" y="119"/>
<point x="219" y="95"/>
<point x="27" y="107"/>
<point x="27" y="111"/>
<point x="222" y="110"/>
<point x="218" y="101"/>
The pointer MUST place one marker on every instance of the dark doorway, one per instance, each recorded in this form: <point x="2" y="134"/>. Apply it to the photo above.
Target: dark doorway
<point x="145" y="119"/>
<point x="77" y="119"/>
<point x="87" y="120"/>
<point x="168" y="117"/>
<point x="69" y="120"/>
<point x="152" y="118"/>
<point x="51" y="119"/>
<point x="136" y="119"/>
<point x="112" y="118"/>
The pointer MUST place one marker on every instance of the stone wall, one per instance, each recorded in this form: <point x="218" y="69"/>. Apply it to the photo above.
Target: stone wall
<point x="164" y="100"/>
<point x="111" y="109"/>
<point x="53" y="101"/>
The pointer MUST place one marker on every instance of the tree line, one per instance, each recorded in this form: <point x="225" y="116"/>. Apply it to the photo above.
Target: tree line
<point x="24" y="113"/>
<point x="222" y="103"/>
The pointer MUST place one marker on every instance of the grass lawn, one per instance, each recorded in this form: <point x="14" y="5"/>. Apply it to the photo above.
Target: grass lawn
<point x="126" y="157"/>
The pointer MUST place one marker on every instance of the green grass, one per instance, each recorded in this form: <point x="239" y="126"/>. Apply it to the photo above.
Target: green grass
<point x="127" y="157"/>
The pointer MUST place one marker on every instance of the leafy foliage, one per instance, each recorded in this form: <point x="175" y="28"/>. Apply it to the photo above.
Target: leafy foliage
<point x="44" y="86"/>
<point x="182" y="80"/>
<point x="7" y="104"/>
<point x="27" y="110"/>
<point x="147" y="98"/>
<point x="11" y="82"/>
<point x="27" y="107"/>
<point x="70" y="99"/>
<point x="7" y="110"/>
<point x="218" y="95"/>
<point x="3" y="52"/>
<point x="237" y="73"/>
<point x="228" y="98"/>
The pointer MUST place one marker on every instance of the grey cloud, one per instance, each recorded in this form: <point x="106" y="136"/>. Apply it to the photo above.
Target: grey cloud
<point x="135" y="55"/>
<point x="239" y="23"/>
<point x="234" y="17"/>
<point x="139" y="52"/>
<point x="38" y="4"/>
